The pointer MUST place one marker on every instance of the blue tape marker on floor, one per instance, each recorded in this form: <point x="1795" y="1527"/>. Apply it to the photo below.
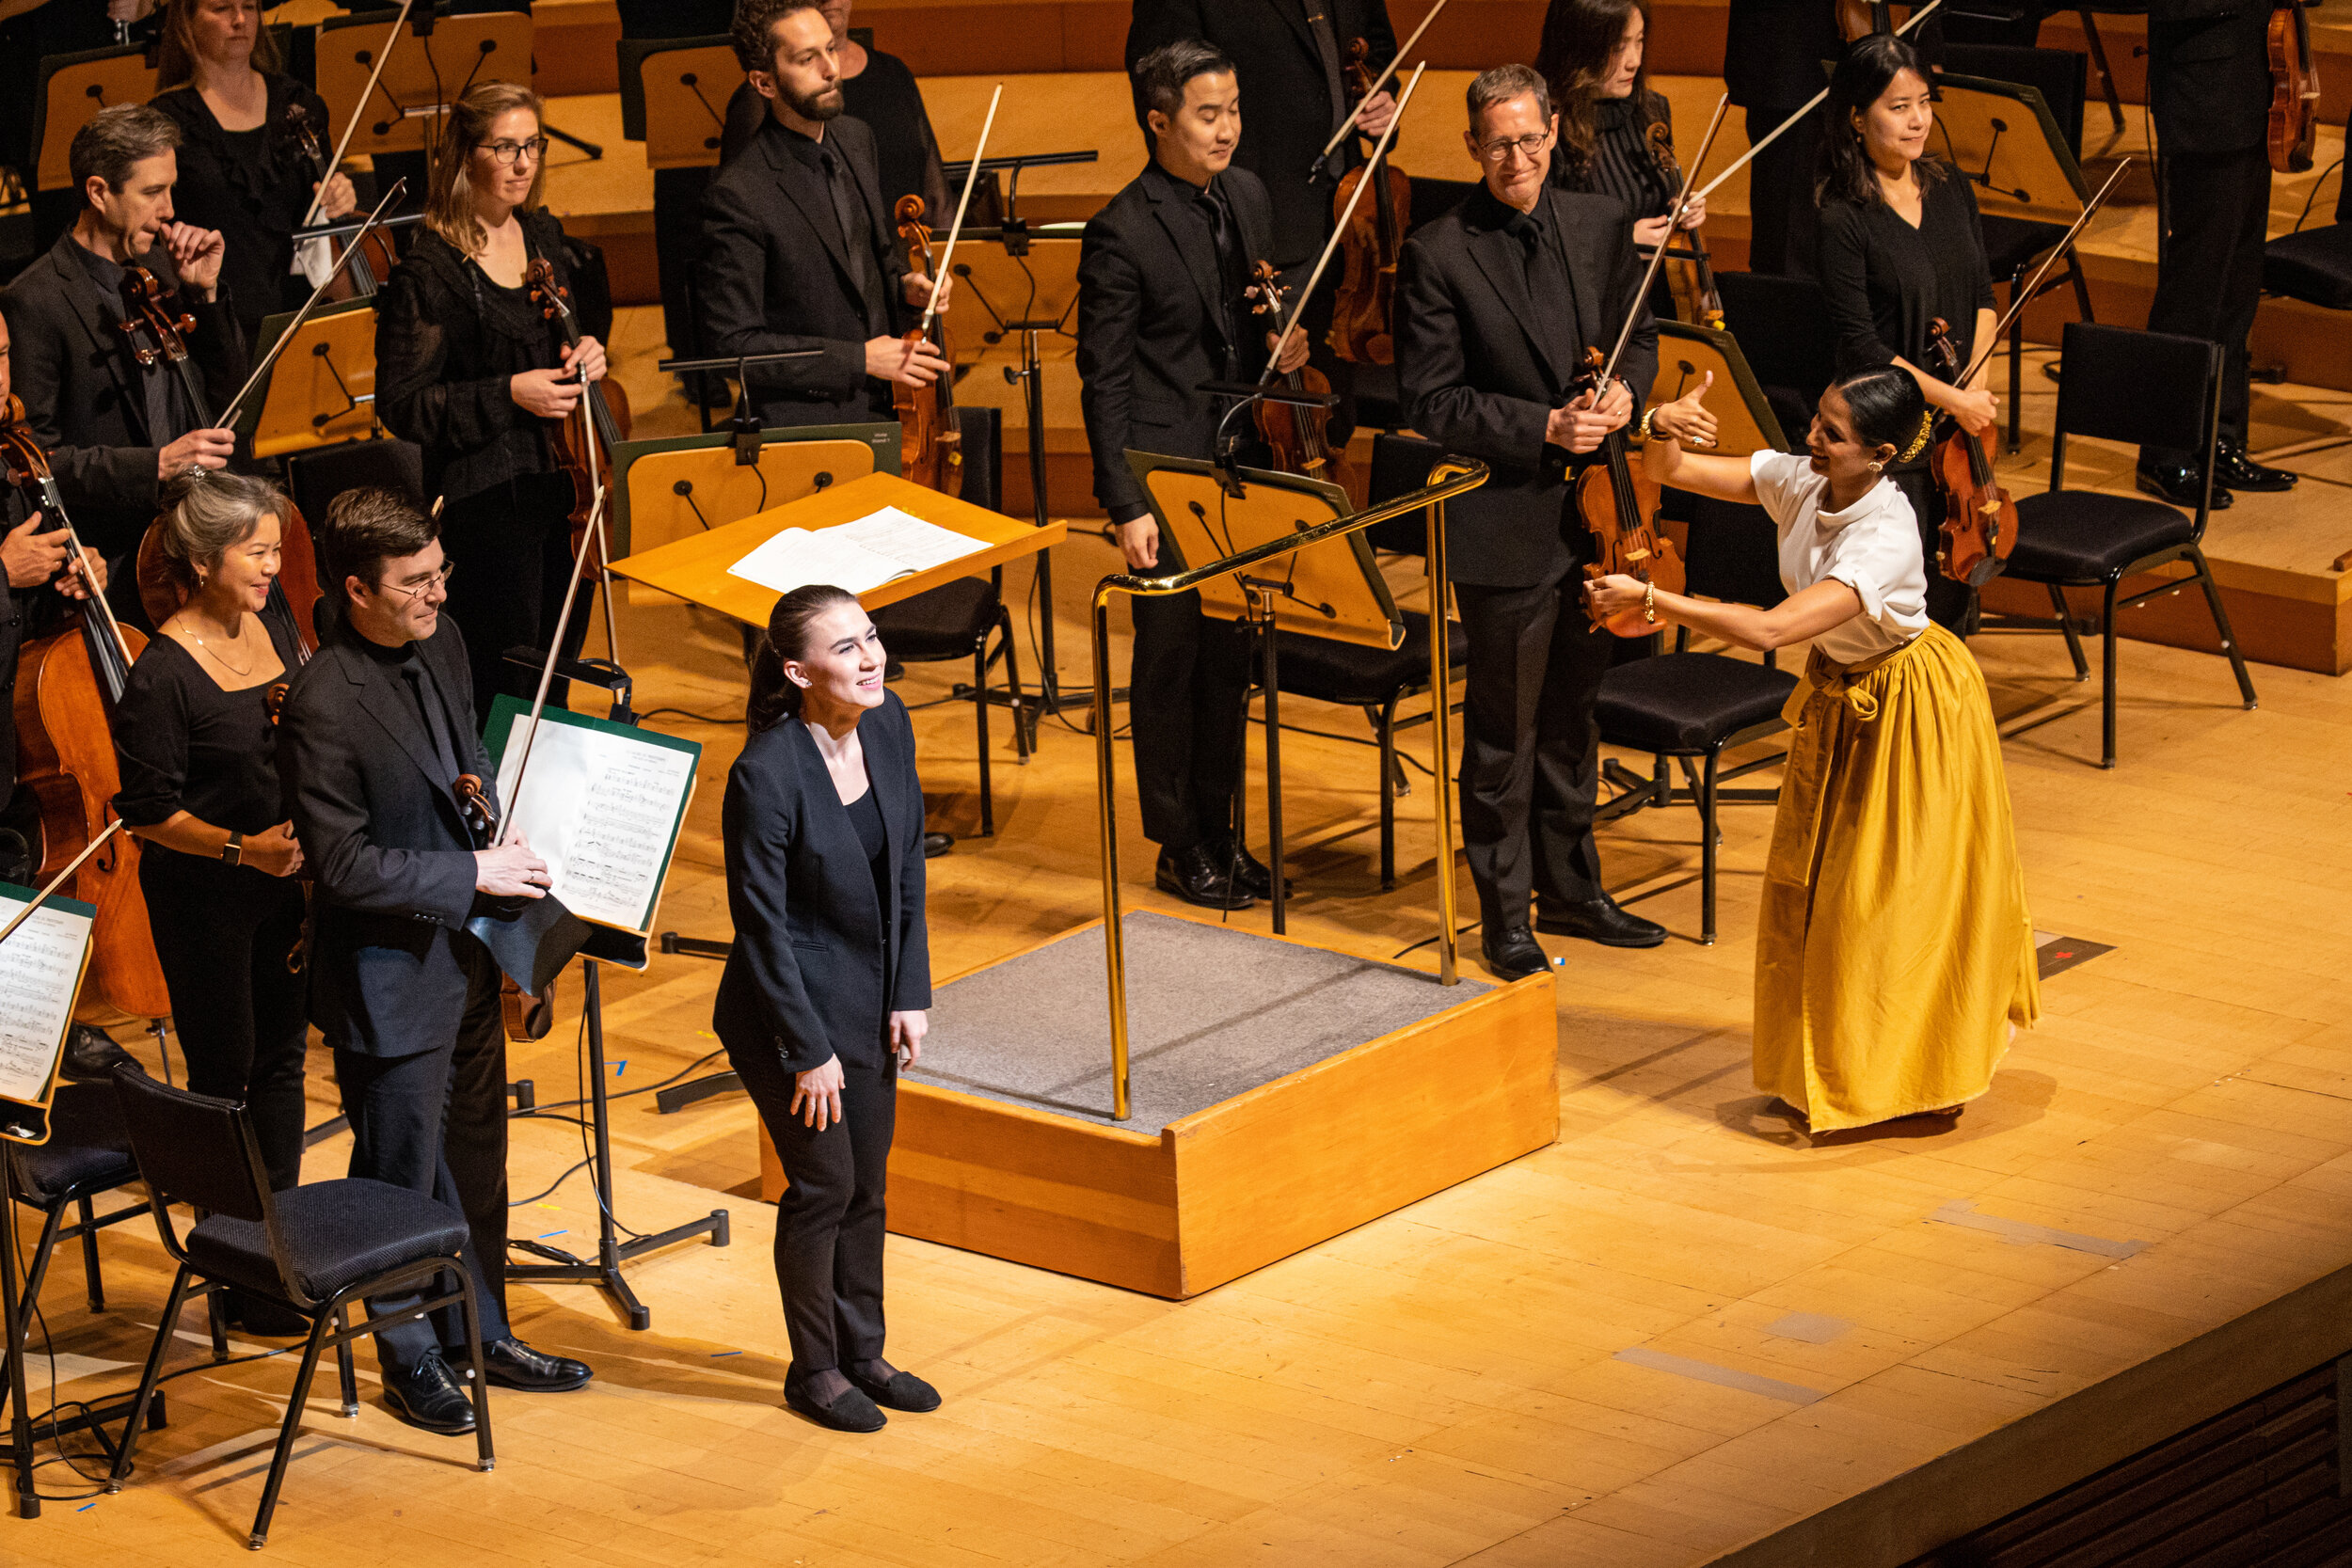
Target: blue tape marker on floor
<point x="1963" y="1213"/>
<point x="1729" y="1377"/>
<point x="555" y="1233"/>
<point x="716" y="1353"/>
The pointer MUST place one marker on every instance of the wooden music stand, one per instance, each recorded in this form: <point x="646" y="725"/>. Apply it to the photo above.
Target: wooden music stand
<point x="322" y="389"/>
<point x="682" y="486"/>
<point x="1743" y="424"/>
<point x="674" y="98"/>
<point x="73" y="87"/>
<point x="2003" y="136"/>
<point x="440" y="58"/>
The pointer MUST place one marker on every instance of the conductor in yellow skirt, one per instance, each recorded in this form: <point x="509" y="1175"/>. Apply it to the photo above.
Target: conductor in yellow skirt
<point x="1894" y="953"/>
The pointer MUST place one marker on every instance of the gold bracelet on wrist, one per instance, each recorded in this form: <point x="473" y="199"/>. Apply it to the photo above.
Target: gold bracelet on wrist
<point x="1650" y="603"/>
<point x="1641" y="430"/>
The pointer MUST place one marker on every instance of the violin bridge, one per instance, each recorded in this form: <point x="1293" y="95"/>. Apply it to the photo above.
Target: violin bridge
<point x="1634" y="555"/>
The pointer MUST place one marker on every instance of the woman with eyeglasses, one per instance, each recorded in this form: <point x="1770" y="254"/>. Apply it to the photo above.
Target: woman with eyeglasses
<point x="471" y="369"/>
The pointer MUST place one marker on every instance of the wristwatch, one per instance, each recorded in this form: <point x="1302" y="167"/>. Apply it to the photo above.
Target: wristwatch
<point x="232" y="852"/>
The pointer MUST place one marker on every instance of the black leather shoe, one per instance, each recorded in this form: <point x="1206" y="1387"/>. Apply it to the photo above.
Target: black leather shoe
<point x="1513" y="955"/>
<point x="2181" y="483"/>
<point x="91" y="1056"/>
<point x="936" y="845"/>
<point x="1249" y="872"/>
<point x="511" y="1364"/>
<point x="1196" y="878"/>
<point x="904" y="1391"/>
<point x="2232" y="467"/>
<point x="850" y="1410"/>
<point x="428" y="1398"/>
<point x="1601" y="921"/>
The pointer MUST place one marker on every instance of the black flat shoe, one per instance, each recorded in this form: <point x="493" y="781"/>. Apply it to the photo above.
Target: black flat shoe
<point x="428" y="1398"/>
<point x="511" y="1364"/>
<point x="904" y="1391"/>
<point x="91" y="1056"/>
<point x="1249" y="872"/>
<point x="2181" y="483"/>
<point x="1194" y="877"/>
<point x="1513" y="955"/>
<point x="1601" y="921"/>
<point x="850" y="1410"/>
<point x="2232" y="467"/>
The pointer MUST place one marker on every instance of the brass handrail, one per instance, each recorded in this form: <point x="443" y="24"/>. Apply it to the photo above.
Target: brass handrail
<point x="1454" y="476"/>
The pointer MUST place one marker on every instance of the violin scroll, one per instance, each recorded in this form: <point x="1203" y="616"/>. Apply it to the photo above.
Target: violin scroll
<point x="473" y="800"/>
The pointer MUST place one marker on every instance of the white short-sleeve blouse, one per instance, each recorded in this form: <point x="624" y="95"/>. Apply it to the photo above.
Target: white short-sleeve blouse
<point x="1872" y="547"/>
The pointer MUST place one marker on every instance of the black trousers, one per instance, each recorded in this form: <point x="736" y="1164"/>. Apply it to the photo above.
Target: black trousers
<point x="436" y="1122"/>
<point x="830" y="1220"/>
<point x="1950" y="605"/>
<point x="223" y="935"/>
<point x="1784" y="227"/>
<point x="1187" y="687"/>
<point x="677" y="235"/>
<point x="511" y="549"/>
<point x="2209" y="268"/>
<point x="1531" y="753"/>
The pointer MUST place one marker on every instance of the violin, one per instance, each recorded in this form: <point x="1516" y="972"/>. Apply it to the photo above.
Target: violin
<point x="1979" y="519"/>
<point x="930" y="445"/>
<point x="1619" y="503"/>
<point x="1693" y="279"/>
<point x="526" y="1017"/>
<point x="1363" y="309"/>
<point x="2294" y="89"/>
<point x="362" y="276"/>
<point x="67" y="687"/>
<point x="608" y="415"/>
<point x="1300" y="436"/>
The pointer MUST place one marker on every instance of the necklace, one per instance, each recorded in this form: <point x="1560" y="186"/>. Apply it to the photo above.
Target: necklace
<point x="188" y="629"/>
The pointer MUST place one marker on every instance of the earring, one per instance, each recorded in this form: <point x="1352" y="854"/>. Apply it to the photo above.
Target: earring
<point x="1878" y="468"/>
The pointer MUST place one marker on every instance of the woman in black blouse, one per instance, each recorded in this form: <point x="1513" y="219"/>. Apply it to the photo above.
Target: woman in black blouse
<point x="878" y="90"/>
<point x="468" y="368"/>
<point x="199" y="786"/>
<point x="244" y="168"/>
<point x="1901" y="248"/>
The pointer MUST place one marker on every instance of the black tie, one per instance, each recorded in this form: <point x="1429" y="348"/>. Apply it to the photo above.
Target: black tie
<point x="435" y="726"/>
<point x="1327" y="46"/>
<point x="1232" y="272"/>
<point x="849" y="210"/>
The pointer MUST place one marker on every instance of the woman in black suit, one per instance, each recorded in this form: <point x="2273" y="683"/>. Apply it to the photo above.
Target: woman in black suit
<point x="824" y="996"/>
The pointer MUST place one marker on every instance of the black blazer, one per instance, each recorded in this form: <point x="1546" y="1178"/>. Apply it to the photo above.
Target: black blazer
<point x="1483" y="366"/>
<point x="2209" y="74"/>
<point x="1285" y="99"/>
<point x="381" y="831"/>
<point x="84" y="396"/>
<point x="816" y="970"/>
<point x="1773" y="50"/>
<point x="775" y="278"/>
<point x="1151" y="326"/>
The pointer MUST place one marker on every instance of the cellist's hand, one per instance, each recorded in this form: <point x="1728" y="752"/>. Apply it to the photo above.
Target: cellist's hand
<point x="90" y="579"/>
<point x="1293" y="353"/>
<point x="1686" y="419"/>
<point x="197" y="449"/>
<point x="549" y="394"/>
<point x="918" y="292"/>
<point x="908" y="364"/>
<point x="588" y="358"/>
<point x="32" y="559"/>
<point x="341" y="200"/>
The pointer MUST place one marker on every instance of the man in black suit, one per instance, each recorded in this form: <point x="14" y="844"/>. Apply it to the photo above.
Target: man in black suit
<point x="116" y="430"/>
<point x="1161" y="275"/>
<point x="376" y="730"/>
<point x="2209" y="94"/>
<point x="1773" y="55"/>
<point x="1497" y="302"/>
<point x="797" y="250"/>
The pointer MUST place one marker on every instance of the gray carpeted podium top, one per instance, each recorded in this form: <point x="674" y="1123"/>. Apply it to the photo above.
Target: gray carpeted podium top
<point x="1211" y="1013"/>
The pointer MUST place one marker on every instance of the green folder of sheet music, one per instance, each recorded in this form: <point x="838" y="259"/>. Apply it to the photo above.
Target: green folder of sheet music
<point x="603" y="804"/>
<point x="41" y="966"/>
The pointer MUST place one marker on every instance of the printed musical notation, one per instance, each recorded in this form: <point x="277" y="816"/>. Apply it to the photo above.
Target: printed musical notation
<point x="601" y="804"/>
<point x="858" y="555"/>
<point x="40" y="972"/>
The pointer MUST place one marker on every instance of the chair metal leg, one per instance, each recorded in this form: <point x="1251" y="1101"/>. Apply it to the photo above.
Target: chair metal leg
<point x="34" y="1276"/>
<point x="1385" y="726"/>
<point x="483" y="1457"/>
<point x="345" y="1374"/>
<point x="1709" y="837"/>
<point x="2075" y="276"/>
<point x="1013" y="684"/>
<point x="165" y="1330"/>
<point x="2098" y="51"/>
<point x="2066" y="624"/>
<point x="320" y="1326"/>
<point x="89" y="1256"/>
<point x="2107" y="695"/>
<point x="216" y="1319"/>
<point x="980" y="723"/>
<point x="2221" y="625"/>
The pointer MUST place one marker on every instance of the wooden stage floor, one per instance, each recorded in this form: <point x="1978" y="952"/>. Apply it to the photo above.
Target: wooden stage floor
<point x="1502" y="1374"/>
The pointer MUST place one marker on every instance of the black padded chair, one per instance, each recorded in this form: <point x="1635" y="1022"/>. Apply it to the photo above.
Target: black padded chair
<point x="2315" y="265"/>
<point x="315" y="1249"/>
<point x="2087" y="539"/>
<point x="1782" y="325"/>
<point x="88" y="1153"/>
<point x="1692" y="707"/>
<point x="956" y="620"/>
<point x="316" y="477"/>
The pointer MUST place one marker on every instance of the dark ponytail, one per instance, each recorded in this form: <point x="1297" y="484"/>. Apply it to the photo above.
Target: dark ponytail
<point x="1842" y="169"/>
<point x="773" y="695"/>
<point x="1888" y="408"/>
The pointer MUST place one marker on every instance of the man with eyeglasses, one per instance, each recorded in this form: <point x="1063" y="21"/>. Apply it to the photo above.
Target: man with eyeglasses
<point x="376" y="730"/>
<point x="1497" y="303"/>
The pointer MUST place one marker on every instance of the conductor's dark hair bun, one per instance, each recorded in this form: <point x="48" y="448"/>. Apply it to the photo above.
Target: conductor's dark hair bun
<point x="1888" y="405"/>
<point x="773" y="695"/>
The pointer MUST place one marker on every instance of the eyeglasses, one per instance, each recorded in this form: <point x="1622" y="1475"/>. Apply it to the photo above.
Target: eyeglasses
<point x="507" y="153"/>
<point x="411" y="590"/>
<point x="1529" y="147"/>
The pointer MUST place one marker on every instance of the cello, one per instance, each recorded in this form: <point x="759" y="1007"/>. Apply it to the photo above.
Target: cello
<point x="1298" y="434"/>
<point x="585" y="458"/>
<point x="1363" y="308"/>
<point x="1619" y="503"/>
<point x="930" y="444"/>
<point x="1979" y="526"/>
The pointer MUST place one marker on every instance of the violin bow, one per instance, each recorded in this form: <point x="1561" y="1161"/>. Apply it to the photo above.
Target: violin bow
<point x="1812" y="104"/>
<point x="1338" y="232"/>
<point x="588" y="539"/>
<point x="228" y="419"/>
<point x="1377" y="83"/>
<point x="971" y="177"/>
<point x="60" y="880"/>
<point x="1658" y="254"/>
<point x="351" y="124"/>
<point x="2023" y="296"/>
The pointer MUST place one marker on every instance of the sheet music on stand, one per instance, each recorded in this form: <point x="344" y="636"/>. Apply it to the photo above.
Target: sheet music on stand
<point x="603" y="804"/>
<point x="858" y="555"/>
<point x="41" y="966"/>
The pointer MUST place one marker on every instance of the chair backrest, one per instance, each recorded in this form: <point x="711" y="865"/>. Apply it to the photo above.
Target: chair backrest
<point x="983" y="447"/>
<point x="1399" y="465"/>
<point x="1733" y="554"/>
<point x="2059" y="74"/>
<point x="192" y="1148"/>
<point x="2148" y="389"/>
<point x="316" y="477"/>
<point x="1783" y="327"/>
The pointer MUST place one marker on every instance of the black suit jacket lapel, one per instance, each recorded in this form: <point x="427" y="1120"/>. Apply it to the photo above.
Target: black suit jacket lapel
<point x="385" y="697"/>
<point x="1200" y="262"/>
<point x="1295" y="13"/>
<point x="805" y="188"/>
<point x="1503" y="260"/>
<point x="102" y="321"/>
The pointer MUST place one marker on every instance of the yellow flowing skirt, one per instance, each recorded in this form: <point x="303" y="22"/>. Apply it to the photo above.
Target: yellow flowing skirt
<point x="1894" y="949"/>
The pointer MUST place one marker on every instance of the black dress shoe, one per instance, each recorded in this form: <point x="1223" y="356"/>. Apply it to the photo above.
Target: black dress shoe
<point x="936" y="845"/>
<point x="1514" y="954"/>
<point x="1249" y="872"/>
<point x="904" y="1391"/>
<point x="2232" y="467"/>
<point x="1601" y="921"/>
<point x="91" y="1056"/>
<point x="511" y="1364"/>
<point x="2181" y="483"/>
<point x="427" y="1397"/>
<point x="1195" y="876"/>
<point x="850" y="1410"/>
